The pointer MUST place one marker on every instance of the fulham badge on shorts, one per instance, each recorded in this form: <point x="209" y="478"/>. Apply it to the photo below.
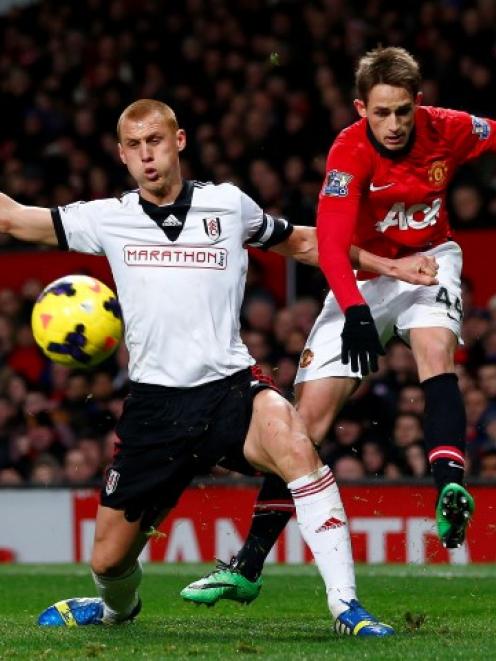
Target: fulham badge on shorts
<point x="212" y="227"/>
<point x="112" y="480"/>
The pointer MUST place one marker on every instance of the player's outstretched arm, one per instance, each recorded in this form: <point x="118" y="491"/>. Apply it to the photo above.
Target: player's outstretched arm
<point x="415" y="269"/>
<point x="26" y="223"/>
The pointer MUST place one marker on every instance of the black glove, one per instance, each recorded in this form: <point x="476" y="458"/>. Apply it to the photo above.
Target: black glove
<point x="360" y="342"/>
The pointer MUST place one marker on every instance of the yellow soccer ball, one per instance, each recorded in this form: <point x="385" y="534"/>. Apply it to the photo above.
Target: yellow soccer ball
<point x="77" y="321"/>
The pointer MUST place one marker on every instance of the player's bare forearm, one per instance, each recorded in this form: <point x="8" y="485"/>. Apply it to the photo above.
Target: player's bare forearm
<point x="26" y="223"/>
<point x="301" y="245"/>
<point x="415" y="269"/>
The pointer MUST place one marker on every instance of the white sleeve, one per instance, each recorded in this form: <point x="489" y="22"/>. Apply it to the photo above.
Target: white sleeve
<point x="261" y="230"/>
<point x="77" y="226"/>
<point x="252" y="217"/>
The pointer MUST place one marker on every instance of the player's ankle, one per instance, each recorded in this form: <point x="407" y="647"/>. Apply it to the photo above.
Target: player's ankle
<point x="249" y="569"/>
<point x="111" y="616"/>
<point x="339" y="600"/>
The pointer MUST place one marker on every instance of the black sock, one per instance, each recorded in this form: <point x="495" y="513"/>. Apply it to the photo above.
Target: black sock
<point x="444" y="428"/>
<point x="273" y="509"/>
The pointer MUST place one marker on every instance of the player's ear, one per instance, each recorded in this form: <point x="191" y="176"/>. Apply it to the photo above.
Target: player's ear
<point x="181" y="139"/>
<point x="360" y="107"/>
<point x="122" y="156"/>
<point x="419" y="98"/>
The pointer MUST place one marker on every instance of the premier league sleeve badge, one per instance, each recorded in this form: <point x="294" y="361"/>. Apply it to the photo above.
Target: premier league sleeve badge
<point x="336" y="184"/>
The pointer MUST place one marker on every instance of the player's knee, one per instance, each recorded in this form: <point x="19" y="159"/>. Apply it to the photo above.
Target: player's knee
<point x="300" y="449"/>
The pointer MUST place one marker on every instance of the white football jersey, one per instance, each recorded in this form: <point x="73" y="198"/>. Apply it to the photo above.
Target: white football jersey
<point x="180" y="273"/>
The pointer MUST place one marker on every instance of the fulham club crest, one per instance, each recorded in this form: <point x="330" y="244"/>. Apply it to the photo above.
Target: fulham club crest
<point x="212" y="227"/>
<point x="112" y="479"/>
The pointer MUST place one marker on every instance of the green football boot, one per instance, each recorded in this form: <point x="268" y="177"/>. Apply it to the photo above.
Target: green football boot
<point x="225" y="582"/>
<point x="454" y="510"/>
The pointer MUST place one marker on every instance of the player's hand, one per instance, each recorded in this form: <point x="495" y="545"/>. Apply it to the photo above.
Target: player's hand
<point x="360" y="341"/>
<point x="416" y="269"/>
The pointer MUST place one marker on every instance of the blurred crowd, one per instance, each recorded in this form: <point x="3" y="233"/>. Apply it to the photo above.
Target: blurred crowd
<point x="56" y="424"/>
<point x="262" y="88"/>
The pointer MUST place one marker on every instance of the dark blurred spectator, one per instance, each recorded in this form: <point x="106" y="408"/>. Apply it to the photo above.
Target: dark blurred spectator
<point x="46" y="471"/>
<point x="467" y="208"/>
<point x="373" y="458"/>
<point x="284" y="374"/>
<point x="488" y="465"/>
<point x="465" y="381"/>
<point x="258" y="314"/>
<point x="258" y="345"/>
<point x="407" y="429"/>
<point x="121" y="375"/>
<point x="304" y="312"/>
<point x="76" y="403"/>
<point x="109" y="447"/>
<point x="92" y="451"/>
<point x="397" y="370"/>
<point x="411" y="400"/>
<point x="10" y="477"/>
<point x="26" y="358"/>
<point x="486" y="375"/>
<point x="77" y="470"/>
<point x="348" y="467"/>
<point x="475" y="406"/>
<point x="415" y="458"/>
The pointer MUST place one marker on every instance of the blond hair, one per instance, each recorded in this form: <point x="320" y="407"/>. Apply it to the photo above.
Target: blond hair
<point x="387" y="66"/>
<point x="143" y="107"/>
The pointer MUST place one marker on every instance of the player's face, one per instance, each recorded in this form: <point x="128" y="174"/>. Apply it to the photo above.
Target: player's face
<point x="390" y="112"/>
<point x="150" y="148"/>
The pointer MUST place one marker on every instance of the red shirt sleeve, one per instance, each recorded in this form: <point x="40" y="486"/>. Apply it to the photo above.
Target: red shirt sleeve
<point x="470" y="136"/>
<point x="346" y="174"/>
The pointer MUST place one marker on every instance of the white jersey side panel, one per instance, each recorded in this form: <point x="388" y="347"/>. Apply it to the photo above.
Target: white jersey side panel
<point x="180" y="299"/>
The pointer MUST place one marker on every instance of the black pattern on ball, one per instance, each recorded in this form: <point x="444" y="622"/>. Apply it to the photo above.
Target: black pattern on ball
<point x="62" y="289"/>
<point x="112" y="305"/>
<point x="72" y="345"/>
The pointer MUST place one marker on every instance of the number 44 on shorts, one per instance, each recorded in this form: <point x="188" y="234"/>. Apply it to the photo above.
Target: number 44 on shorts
<point x="443" y="297"/>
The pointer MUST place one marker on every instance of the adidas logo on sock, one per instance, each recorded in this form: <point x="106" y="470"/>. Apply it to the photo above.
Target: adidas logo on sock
<point x="330" y="524"/>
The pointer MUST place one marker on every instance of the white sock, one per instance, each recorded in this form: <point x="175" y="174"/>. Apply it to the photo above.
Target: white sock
<point x="324" y="527"/>
<point x="119" y="593"/>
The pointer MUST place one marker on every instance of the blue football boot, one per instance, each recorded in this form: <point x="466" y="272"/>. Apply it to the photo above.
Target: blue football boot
<point x="356" y="621"/>
<point x="78" y="612"/>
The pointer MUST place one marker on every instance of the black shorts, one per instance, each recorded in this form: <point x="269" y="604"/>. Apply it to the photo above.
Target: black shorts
<point x="167" y="436"/>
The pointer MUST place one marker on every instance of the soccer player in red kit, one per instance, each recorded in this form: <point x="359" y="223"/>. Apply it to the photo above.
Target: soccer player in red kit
<point x="384" y="190"/>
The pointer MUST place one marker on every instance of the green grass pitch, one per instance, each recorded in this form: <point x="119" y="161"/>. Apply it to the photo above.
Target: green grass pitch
<point x="439" y="612"/>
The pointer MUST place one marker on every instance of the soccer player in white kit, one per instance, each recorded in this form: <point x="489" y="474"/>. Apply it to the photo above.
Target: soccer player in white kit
<point x="177" y="250"/>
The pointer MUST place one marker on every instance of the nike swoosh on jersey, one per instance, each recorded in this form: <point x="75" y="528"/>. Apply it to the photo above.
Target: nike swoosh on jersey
<point x="376" y="188"/>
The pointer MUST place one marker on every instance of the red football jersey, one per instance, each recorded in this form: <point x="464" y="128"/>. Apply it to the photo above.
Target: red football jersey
<point x="392" y="204"/>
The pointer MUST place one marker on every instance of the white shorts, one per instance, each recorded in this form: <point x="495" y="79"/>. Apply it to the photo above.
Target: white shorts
<point x="396" y="307"/>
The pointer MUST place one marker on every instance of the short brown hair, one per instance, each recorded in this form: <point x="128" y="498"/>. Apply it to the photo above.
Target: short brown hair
<point x="143" y="107"/>
<point x="387" y="66"/>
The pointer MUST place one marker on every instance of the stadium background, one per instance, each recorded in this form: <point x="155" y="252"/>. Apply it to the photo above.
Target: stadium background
<point x="262" y="88"/>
